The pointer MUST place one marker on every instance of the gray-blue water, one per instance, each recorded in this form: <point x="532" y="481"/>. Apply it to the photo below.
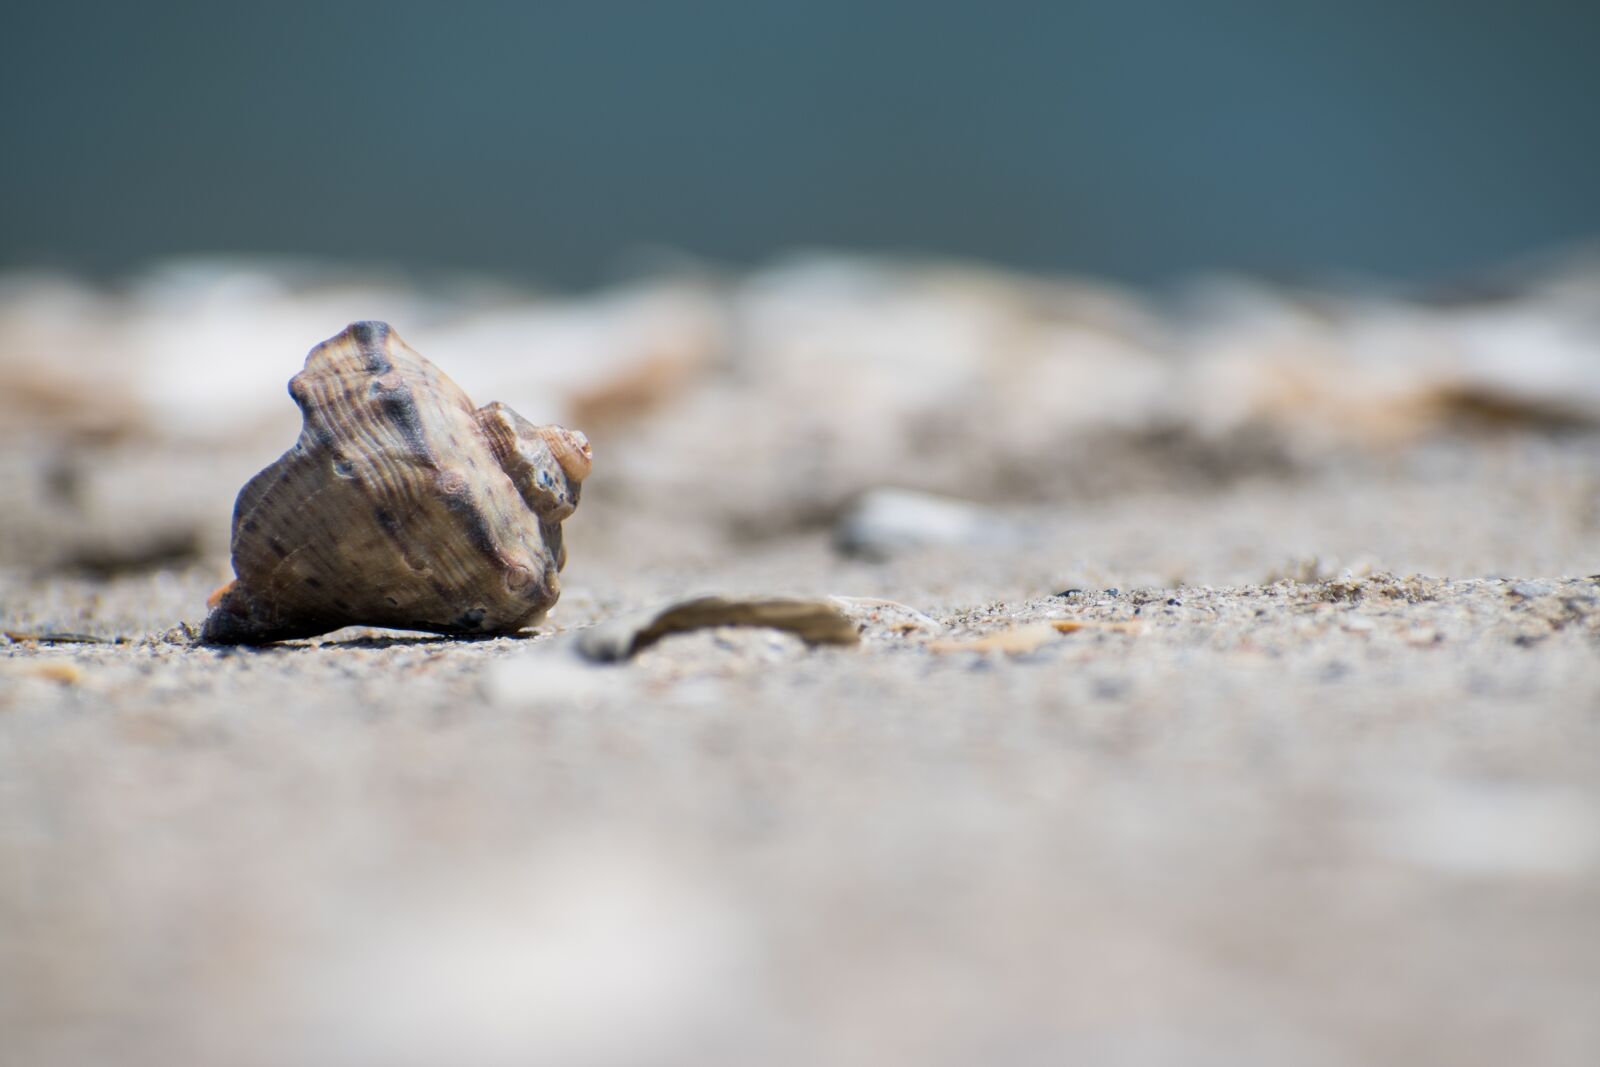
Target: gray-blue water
<point x="1408" y="138"/>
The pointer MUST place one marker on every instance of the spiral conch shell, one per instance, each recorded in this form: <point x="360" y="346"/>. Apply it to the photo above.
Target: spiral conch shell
<point x="401" y="505"/>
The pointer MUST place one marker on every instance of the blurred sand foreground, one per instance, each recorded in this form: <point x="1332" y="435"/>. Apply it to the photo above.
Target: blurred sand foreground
<point x="1332" y="797"/>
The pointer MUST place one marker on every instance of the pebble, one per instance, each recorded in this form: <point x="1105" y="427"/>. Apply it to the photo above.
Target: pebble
<point x="883" y="523"/>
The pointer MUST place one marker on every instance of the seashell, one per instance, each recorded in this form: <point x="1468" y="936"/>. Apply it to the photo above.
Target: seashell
<point x="401" y="505"/>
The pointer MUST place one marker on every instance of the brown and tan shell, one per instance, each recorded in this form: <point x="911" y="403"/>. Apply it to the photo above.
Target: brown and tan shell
<point x="401" y="505"/>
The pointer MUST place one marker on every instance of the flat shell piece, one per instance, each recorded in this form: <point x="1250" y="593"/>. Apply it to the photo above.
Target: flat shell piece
<point x="817" y="622"/>
<point x="1109" y="626"/>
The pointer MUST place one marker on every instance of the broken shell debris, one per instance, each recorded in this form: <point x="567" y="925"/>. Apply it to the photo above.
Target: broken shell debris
<point x="885" y="616"/>
<point x="401" y="505"/>
<point x="835" y="620"/>
<point x="53" y="638"/>
<point x="1030" y="637"/>
<point x="816" y="622"/>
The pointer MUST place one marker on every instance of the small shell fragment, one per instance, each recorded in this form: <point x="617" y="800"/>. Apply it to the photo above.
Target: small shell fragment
<point x="401" y="505"/>
<point x="816" y="622"/>
<point x="1020" y="640"/>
